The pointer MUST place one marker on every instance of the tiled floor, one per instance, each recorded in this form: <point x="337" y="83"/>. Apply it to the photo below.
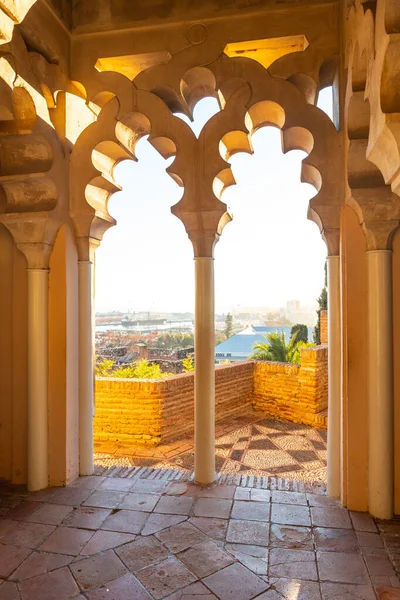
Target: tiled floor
<point x="133" y="538"/>
<point x="249" y="443"/>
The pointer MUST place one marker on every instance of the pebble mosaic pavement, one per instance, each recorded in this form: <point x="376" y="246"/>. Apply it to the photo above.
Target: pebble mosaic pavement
<point x="248" y="444"/>
<point x="152" y="534"/>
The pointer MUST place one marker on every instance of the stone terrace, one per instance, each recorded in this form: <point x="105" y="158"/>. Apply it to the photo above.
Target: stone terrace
<point x="152" y="534"/>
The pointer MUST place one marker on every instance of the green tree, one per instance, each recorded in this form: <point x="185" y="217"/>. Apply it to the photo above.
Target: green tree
<point x="104" y="368"/>
<point x="277" y="350"/>
<point x="188" y="364"/>
<point x="228" y="326"/>
<point x="322" y="305"/>
<point x="302" y="332"/>
<point x="141" y="370"/>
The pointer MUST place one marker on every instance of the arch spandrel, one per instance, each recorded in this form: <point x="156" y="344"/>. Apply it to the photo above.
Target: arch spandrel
<point x="250" y="98"/>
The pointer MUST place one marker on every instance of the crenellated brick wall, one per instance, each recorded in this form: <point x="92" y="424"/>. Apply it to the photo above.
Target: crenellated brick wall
<point x="324" y="326"/>
<point x="132" y="411"/>
<point x="155" y="411"/>
<point x="296" y="393"/>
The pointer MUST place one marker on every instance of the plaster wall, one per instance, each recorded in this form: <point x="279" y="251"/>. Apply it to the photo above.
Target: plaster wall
<point x="354" y="347"/>
<point x="396" y="357"/>
<point x="13" y="360"/>
<point x="63" y="361"/>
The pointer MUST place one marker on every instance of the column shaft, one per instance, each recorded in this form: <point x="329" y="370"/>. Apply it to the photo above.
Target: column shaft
<point x="380" y="384"/>
<point x="86" y="367"/>
<point x="38" y="463"/>
<point x="334" y="369"/>
<point x="204" y="372"/>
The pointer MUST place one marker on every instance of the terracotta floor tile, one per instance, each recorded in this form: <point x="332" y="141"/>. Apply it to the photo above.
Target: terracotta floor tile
<point x="226" y="492"/>
<point x="248" y="532"/>
<point x="180" y="537"/>
<point x="251" y="511"/>
<point x="235" y="582"/>
<point x="149" y="486"/>
<point x="157" y="523"/>
<point x="116" y="484"/>
<point x="87" y="517"/>
<point x="10" y="558"/>
<point x="174" y="505"/>
<point x="9" y="591"/>
<point x="195" y="591"/>
<point x="104" y="499"/>
<point x="297" y="589"/>
<point x="126" y="521"/>
<point x="380" y="566"/>
<point x="28" y="535"/>
<point x="38" y="563"/>
<point x="289" y="514"/>
<point x="339" y="591"/>
<point x="51" y="514"/>
<point x="56" y="585"/>
<point x="165" y="578"/>
<point x="97" y="570"/>
<point x="176" y="488"/>
<point x="338" y="540"/>
<point x="242" y="493"/>
<point x="363" y="522"/>
<point x="43" y="495"/>
<point x="140" y="501"/>
<point x="290" y="536"/>
<point x="289" y="498"/>
<point x="7" y="525"/>
<point x="143" y="552"/>
<point x="72" y="496"/>
<point x="213" y="507"/>
<point x="89" y="482"/>
<point x="254" y="558"/>
<point x="214" y="528"/>
<point x="127" y="587"/>
<point x="342" y="567"/>
<point x="330" y="517"/>
<point x="205" y="558"/>
<point x="67" y="540"/>
<point x="369" y="540"/>
<point x="105" y="540"/>
<point x="293" y="564"/>
<point x="22" y="511"/>
<point x="260" y="495"/>
<point x="322" y="500"/>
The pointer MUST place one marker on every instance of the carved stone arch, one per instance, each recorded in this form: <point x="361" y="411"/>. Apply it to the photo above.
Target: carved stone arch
<point x="262" y="99"/>
<point x="121" y="123"/>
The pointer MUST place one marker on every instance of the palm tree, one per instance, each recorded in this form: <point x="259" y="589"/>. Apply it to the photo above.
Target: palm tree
<point x="275" y="348"/>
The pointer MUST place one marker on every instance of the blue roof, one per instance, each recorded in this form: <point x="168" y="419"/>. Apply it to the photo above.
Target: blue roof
<point x="240" y="343"/>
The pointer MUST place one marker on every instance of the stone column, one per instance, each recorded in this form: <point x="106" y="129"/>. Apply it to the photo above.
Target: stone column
<point x="37" y="447"/>
<point x="86" y="354"/>
<point x="380" y="383"/>
<point x="334" y="369"/>
<point x="204" y="376"/>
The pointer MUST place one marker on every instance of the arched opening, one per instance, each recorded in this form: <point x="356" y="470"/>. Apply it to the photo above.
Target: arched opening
<point x="159" y="194"/>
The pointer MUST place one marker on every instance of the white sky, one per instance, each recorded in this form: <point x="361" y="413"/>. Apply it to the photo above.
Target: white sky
<point x="268" y="254"/>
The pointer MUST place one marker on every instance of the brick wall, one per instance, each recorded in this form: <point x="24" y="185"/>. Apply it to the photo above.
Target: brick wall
<point x="158" y="411"/>
<point x="324" y="326"/>
<point x="131" y="411"/>
<point x="295" y="393"/>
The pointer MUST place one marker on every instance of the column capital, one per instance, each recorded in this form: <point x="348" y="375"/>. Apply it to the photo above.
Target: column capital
<point x="87" y="247"/>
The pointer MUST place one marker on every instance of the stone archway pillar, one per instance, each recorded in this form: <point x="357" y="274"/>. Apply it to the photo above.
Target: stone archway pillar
<point x="204" y="376"/>
<point x="38" y="315"/>
<point x="86" y="353"/>
<point x="334" y="377"/>
<point x="380" y="383"/>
